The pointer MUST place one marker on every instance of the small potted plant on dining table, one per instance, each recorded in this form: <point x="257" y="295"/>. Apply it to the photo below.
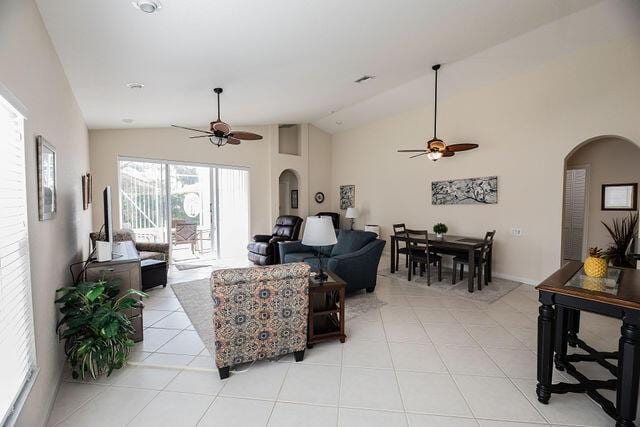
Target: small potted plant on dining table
<point x="440" y="229"/>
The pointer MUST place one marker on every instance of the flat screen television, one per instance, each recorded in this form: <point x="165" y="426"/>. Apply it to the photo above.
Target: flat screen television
<point x="108" y="218"/>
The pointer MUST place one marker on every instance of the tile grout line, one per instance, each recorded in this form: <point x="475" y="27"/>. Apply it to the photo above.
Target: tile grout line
<point x="393" y="366"/>
<point x="449" y="370"/>
<point x="506" y="375"/>
<point x="273" y="408"/>
<point x="341" y="373"/>
<point x="105" y="387"/>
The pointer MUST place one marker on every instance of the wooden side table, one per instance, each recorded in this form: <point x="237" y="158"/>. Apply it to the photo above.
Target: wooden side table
<point x="326" y="309"/>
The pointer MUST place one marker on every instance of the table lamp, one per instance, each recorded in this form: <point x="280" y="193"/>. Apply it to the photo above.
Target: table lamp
<point x="319" y="232"/>
<point x="352" y="214"/>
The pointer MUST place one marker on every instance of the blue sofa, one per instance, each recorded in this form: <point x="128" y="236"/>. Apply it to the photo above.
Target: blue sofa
<point x="354" y="258"/>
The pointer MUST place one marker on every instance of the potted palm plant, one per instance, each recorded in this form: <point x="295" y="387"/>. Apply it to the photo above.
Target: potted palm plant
<point x="94" y="326"/>
<point x="622" y="232"/>
<point x="440" y="229"/>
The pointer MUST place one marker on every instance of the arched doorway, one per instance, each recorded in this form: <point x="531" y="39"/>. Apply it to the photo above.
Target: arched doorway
<point x="596" y="162"/>
<point x="289" y="200"/>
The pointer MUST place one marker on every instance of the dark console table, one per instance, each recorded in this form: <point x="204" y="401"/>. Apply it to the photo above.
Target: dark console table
<point x="562" y="297"/>
<point x="125" y="267"/>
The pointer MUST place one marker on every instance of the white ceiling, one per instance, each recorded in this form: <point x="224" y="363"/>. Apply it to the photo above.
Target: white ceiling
<point x="279" y="61"/>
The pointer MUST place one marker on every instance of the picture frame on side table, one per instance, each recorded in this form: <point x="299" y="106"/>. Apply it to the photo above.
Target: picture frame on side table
<point x="47" y="177"/>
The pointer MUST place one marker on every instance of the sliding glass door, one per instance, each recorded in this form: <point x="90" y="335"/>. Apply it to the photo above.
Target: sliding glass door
<point x="143" y="199"/>
<point x="202" y="210"/>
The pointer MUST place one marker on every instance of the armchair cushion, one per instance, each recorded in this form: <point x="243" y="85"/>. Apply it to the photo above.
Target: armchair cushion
<point x="264" y="248"/>
<point x="350" y="241"/>
<point x="358" y="267"/>
<point x="260" y="248"/>
<point x="298" y="257"/>
<point x="259" y="312"/>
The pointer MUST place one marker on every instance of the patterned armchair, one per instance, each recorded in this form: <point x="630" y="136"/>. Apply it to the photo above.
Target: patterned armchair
<point x="259" y="312"/>
<point x="159" y="251"/>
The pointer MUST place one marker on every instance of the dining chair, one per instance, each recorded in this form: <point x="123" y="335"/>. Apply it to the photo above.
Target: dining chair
<point x="481" y="261"/>
<point x="401" y="230"/>
<point x="420" y="255"/>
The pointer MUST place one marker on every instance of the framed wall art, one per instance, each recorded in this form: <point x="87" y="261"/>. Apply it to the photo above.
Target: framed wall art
<point x="620" y="197"/>
<point x="347" y="196"/>
<point x="47" y="194"/>
<point x="468" y="191"/>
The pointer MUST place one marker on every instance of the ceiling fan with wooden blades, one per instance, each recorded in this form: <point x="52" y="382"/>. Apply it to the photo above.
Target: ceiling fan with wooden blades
<point x="436" y="148"/>
<point x="221" y="133"/>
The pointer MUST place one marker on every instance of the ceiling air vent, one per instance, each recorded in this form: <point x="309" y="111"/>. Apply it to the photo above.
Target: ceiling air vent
<point x="364" y="78"/>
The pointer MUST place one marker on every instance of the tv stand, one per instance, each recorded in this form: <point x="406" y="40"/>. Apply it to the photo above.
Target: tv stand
<point x="125" y="267"/>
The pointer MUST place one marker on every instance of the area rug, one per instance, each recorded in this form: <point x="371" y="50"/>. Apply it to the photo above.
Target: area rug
<point x="183" y="267"/>
<point x="195" y="298"/>
<point x="496" y="289"/>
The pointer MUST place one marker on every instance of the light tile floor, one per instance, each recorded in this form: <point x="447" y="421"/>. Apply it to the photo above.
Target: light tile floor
<point x="423" y="359"/>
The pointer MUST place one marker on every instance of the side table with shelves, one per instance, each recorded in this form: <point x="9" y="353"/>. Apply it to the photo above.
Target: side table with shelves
<point x="326" y="309"/>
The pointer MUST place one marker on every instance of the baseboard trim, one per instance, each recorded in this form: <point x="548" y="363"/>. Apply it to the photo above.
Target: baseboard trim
<point x="524" y="280"/>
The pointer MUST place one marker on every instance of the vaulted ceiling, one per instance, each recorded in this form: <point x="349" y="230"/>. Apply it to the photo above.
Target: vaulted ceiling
<point x="279" y="61"/>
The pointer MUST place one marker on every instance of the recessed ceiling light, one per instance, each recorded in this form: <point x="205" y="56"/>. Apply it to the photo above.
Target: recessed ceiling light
<point x="147" y="6"/>
<point x="128" y="121"/>
<point x="339" y="122"/>
<point x="364" y="78"/>
<point x="135" y="85"/>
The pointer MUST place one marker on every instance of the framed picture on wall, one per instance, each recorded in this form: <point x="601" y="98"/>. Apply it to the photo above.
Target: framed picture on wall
<point x="620" y="197"/>
<point x="47" y="163"/>
<point x="294" y="199"/>
<point x="347" y="196"/>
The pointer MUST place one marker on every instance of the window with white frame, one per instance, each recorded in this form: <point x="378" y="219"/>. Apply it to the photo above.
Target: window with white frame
<point x="17" y="350"/>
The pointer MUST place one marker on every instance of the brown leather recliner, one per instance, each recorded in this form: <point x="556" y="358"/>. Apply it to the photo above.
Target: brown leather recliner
<point x="263" y="250"/>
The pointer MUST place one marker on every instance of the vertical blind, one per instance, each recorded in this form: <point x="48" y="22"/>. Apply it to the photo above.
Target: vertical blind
<point x="233" y="212"/>
<point x="17" y="353"/>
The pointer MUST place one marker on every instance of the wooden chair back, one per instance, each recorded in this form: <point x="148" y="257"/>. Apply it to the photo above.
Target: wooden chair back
<point x="486" y="245"/>
<point x="414" y="237"/>
<point x="400" y="230"/>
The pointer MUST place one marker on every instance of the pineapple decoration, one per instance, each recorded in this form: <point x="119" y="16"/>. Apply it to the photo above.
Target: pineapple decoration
<point x="596" y="264"/>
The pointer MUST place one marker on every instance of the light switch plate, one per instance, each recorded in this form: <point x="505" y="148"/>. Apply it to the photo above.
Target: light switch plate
<point x="516" y="231"/>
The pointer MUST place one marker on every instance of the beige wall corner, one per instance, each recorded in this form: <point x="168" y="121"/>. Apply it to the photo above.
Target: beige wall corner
<point x="30" y="69"/>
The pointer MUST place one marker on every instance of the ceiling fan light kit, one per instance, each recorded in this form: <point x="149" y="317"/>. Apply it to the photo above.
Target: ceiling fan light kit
<point x="436" y="148"/>
<point x="220" y="133"/>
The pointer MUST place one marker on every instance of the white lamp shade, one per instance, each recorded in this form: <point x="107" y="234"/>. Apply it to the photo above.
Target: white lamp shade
<point x="319" y="232"/>
<point x="351" y="213"/>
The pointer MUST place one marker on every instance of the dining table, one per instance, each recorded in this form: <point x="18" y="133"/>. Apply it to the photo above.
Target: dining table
<point x="448" y="244"/>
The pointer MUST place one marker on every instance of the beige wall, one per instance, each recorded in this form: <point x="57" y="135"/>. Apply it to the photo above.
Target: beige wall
<point x="525" y="126"/>
<point x="30" y="69"/>
<point x="320" y="161"/>
<point x="289" y="140"/>
<point x="609" y="161"/>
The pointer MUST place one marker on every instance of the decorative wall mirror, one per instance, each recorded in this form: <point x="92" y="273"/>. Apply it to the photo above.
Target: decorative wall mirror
<point x="620" y="197"/>
<point x="47" y="195"/>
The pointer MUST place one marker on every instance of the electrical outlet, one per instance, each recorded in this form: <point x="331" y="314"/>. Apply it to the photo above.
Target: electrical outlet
<point x="516" y="232"/>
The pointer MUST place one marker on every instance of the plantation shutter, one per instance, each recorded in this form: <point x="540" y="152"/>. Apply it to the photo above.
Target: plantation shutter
<point x="574" y="211"/>
<point x="17" y="353"/>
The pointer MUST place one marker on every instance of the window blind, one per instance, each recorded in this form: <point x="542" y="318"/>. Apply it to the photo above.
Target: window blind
<point x="17" y="352"/>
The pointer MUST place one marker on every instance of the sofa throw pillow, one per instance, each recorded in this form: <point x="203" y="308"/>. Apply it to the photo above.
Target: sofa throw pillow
<point x="351" y="241"/>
